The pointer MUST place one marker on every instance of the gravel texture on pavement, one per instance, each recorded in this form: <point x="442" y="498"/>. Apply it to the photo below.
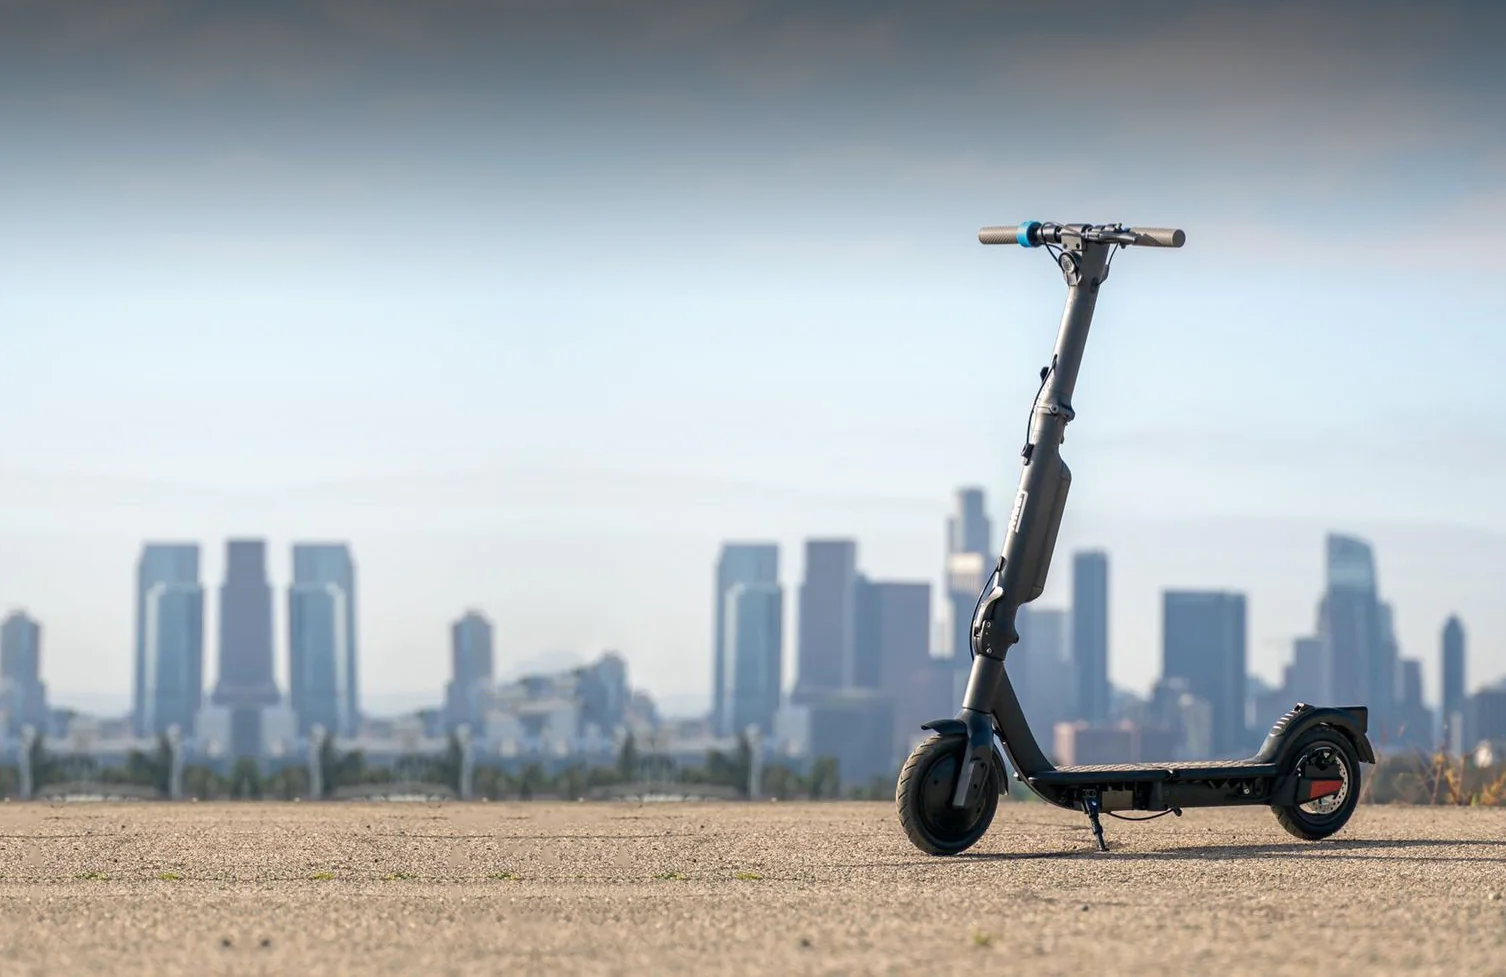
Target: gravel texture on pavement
<point x="753" y="888"/>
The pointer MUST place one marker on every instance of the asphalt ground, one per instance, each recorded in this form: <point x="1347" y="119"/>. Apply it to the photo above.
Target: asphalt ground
<point x="753" y="888"/>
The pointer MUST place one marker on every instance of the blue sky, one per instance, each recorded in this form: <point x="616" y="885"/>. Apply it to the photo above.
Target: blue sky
<point x="536" y="309"/>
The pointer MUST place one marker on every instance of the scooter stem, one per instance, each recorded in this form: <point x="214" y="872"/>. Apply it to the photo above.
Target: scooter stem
<point x="1030" y="534"/>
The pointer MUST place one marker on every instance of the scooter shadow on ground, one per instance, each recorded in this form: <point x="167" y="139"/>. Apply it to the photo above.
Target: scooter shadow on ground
<point x="1355" y="848"/>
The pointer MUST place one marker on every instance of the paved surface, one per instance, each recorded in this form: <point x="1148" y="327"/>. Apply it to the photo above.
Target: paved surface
<point x="766" y="888"/>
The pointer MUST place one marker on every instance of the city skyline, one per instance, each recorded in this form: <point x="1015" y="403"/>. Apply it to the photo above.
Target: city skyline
<point x="1349" y="567"/>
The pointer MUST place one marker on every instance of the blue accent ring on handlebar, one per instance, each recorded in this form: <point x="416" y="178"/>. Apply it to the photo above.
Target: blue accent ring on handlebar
<point x="1023" y="234"/>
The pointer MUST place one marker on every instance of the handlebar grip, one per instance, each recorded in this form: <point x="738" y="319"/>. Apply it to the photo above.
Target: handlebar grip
<point x="1159" y="237"/>
<point x="1005" y="234"/>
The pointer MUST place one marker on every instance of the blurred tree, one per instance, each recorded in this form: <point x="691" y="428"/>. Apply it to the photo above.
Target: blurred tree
<point x="531" y="781"/>
<point x="492" y="783"/>
<point x="782" y="783"/>
<point x="571" y="782"/>
<point x="245" y="779"/>
<point x="627" y="759"/>
<point x="289" y="782"/>
<point x="825" y="778"/>
<point x="203" y="783"/>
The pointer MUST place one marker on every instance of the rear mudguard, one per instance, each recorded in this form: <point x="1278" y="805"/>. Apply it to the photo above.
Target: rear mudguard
<point x="1352" y="721"/>
<point x="958" y="728"/>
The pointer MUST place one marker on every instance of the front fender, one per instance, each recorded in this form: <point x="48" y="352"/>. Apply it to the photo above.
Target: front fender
<point x="956" y="727"/>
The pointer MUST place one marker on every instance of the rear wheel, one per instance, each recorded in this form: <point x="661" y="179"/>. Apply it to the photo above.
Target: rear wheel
<point x="924" y="798"/>
<point x="1322" y="754"/>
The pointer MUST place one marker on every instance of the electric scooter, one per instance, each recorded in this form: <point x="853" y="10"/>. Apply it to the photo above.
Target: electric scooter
<point x="1307" y="770"/>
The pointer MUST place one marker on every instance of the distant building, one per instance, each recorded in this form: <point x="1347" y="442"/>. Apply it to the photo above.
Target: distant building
<point x="966" y="574"/>
<point x="1385" y="675"/>
<point x="319" y="659"/>
<point x="1187" y="716"/>
<point x="739" y="563"/>
<point x="1302" y="680"/>
<point x="169" y="566"/>
<point x="1412" y="728"/>
<point x="471" y="669"/>
<point x="603" y="692"/>
<point x="1090" y="634"/>
<point x="1041" y="670"/>
<point x="827" y="617"/>
<point x="893" y="653"/>
<point x="1453" y="699"/>
<point x="854" y="727"/>
<point x="754" y="617"/>
<point x="22" y="692"/>
<point x="246" y="686"/>
<point x="968" y="528"/>
<point x="324" y="566"/>
<point x="172" y="688"/>
<point x="894" y="626"/>
<point x="1080" y="742"/>
<point x="1264" y="704"/>
<point x="1352" y="632"/>
<point x="1487" y="720"/>
<point x="1203" y="643"/>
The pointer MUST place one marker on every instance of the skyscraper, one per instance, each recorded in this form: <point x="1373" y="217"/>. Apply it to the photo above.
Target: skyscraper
<point x="966" y="574"/>
<point x="968" y="528"/>
<point x="969" y="559"/>
<point x="1040" y="668"/>
<point x="1090" y="634"/>
<point x="1204" y="644"/>
<point x="471" y="670"/>
<point x="22" y="692"/>
<point x="1352" y="629"/>
<point x="1302" y="680"/>
<point x="318" y="658"/>
<point x="828" y="616"/>
<point x="1413" y="722"/>
<point x="172" y="685"/>
<point x="893" y="630"/>
<point x="1385" y="661"/>
<point x="892" y="655"/>
<point x="246" y="685"/>
<point x="755" y="655"/>
<point x="1452" y="694"/>
<point x="1409" y="682"/>
<point x="749" y="563"/>
<point x="324" y="565"/>
<point x="173" y="565"/>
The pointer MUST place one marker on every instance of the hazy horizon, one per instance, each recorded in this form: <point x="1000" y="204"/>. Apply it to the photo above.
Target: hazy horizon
<point x="536" y="303"/>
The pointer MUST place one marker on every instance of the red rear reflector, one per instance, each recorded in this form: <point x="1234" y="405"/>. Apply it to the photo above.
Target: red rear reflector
<point x="1323" y="788"/>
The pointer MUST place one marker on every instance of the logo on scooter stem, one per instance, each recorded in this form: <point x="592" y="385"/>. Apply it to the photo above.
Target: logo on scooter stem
<point x="1019" y="510"/>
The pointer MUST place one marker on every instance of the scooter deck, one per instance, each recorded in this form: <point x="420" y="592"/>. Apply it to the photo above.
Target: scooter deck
<point x="1153" y="772"/>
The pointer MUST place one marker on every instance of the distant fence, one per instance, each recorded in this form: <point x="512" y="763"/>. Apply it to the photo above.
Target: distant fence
<point x="402" y="790"/>
<point x="94" y="790"/>
<point x="670" y="790"/>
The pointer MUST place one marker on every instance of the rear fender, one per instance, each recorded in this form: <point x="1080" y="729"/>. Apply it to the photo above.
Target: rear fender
<point x="1352" y="721"/>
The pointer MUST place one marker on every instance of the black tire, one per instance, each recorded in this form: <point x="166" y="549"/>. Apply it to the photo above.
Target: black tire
<point x="1316" y="820"/>
<point x="924" y="798"/>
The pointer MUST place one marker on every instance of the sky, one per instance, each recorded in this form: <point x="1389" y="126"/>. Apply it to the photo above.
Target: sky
<point x="535" y="304"/>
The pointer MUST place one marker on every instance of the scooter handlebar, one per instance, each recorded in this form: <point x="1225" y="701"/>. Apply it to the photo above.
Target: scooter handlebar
<point x="1033" y="234"/>
<point x="1159" y="237"/>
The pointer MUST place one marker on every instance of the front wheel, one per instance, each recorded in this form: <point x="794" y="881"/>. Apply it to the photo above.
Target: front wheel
<point x="1324" y="753"/>
<point x="924" y="798"/>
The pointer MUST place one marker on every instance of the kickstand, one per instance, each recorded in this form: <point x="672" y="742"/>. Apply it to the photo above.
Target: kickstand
<point x="1090" y="807"/>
